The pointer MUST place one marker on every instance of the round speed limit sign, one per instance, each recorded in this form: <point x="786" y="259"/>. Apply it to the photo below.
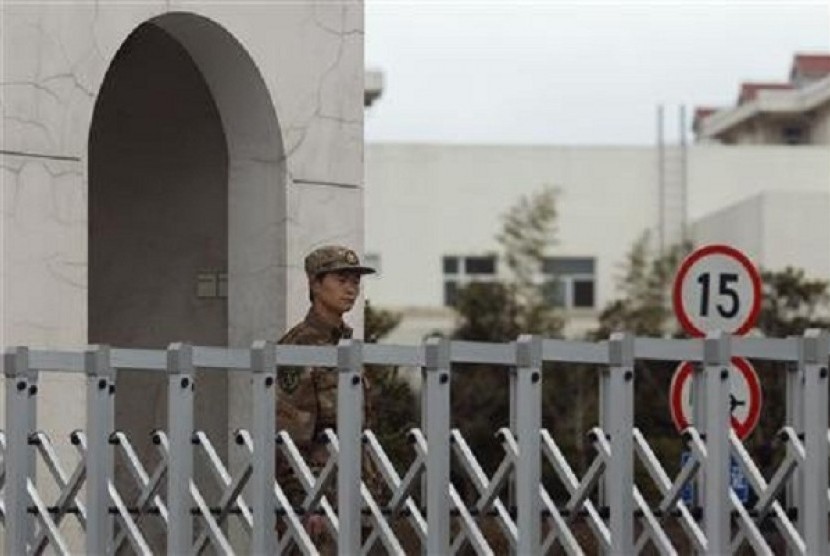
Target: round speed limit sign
<point x="717" y="288"/>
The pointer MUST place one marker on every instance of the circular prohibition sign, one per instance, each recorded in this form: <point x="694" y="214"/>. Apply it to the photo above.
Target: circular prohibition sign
<point x="717" y="288"/>
<point x="745" y="398"/>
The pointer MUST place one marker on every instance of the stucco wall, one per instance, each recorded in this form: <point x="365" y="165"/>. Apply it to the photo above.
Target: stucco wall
<point x="294" y="166"/>
<point x="49" y="87"/>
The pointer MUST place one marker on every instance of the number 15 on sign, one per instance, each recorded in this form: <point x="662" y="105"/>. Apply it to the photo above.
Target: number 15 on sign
<point x="717" y="288"/>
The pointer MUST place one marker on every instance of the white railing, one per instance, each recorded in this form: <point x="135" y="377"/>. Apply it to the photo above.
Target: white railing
<point x="605" y="501"/>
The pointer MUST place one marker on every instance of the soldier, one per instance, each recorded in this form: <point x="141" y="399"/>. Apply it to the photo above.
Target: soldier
<point x="307" y="402"/>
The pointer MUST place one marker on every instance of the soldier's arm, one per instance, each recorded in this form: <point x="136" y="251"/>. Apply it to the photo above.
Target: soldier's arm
<point x="296" y="403"/>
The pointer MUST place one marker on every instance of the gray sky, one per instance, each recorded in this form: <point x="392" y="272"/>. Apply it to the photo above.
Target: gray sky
<point x="572" y="72"/>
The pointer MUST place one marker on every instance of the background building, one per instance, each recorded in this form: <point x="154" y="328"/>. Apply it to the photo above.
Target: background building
<point x="776" y="229"/>
<point x="795" y="112"/>
<point x="433" y="211"/>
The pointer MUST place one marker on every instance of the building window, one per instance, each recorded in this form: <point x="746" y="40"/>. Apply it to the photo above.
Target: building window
<point x="476" y="266"/>
<point x="793" y="135"/>
<point x="583" y="293"/>
<point x="450" y="265"/>
<point x="460" y="270"/>
<point x="569" y="282"/>
<point x="450" y="293"/>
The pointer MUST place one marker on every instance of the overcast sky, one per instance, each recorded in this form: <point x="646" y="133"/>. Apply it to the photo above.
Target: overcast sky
<point x="572" y="72"/>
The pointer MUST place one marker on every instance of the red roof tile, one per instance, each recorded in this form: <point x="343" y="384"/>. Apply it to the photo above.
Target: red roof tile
<point x="701" y="113"/>
<point x="814" y="65"/>
<point x="749" y="91"/>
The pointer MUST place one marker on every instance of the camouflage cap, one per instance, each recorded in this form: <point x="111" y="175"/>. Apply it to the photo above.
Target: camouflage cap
<point x="332" y="258"/>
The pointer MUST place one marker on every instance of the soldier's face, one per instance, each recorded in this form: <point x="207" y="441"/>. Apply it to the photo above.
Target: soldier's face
<point x="336" y="291"/>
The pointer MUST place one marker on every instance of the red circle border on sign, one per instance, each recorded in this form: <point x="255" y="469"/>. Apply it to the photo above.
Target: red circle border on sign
<point x="742" y="430"/>
<point x="686" y="265"/>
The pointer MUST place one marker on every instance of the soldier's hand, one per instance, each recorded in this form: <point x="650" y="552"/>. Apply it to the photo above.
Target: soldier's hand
<point x="315" y="525"/>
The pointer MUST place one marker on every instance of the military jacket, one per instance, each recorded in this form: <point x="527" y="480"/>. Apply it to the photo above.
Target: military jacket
<point x="307" y="396"/>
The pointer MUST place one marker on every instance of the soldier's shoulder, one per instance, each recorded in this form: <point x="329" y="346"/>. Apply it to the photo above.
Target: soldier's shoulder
<point x="302" y="333"/>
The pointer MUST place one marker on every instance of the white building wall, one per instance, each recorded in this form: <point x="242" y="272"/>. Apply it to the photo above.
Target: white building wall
<point x="427" y="201"/>
<point x="740" y="225"/>
<point x="775" y="229"/>
<point x="719" y="176"/>
<point x="796" y="231"/>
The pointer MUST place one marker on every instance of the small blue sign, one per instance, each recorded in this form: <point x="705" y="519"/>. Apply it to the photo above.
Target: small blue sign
<point x="687" y="494"/>
<point x="737" y="480"/>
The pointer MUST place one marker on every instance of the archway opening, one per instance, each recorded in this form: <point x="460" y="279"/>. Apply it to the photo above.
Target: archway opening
<point x="186" y="214"/>
<point x="158" y="219"/>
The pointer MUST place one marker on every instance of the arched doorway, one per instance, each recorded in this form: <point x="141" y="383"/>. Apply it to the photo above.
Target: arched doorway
<point x="186" y="213"/>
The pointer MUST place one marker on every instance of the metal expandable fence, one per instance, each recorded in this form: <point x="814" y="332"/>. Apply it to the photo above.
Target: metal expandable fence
<point x="606" y="501"/>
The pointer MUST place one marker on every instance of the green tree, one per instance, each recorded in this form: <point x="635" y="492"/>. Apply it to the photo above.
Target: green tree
<point x="644" y="307"/>
<point x="378" y="323"/>
<point x="488" y="313"/>
<point x="392" y="406"/>
<point x="499" y="312"/>
<point x="528" y="233"/>
<point x="791" y="303"/>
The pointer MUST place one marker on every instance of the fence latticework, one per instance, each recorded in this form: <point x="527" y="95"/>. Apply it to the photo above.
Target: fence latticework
<point x="442" y="500"/>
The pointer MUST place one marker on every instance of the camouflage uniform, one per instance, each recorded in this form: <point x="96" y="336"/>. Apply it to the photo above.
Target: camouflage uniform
<point x="307" y="397"/>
